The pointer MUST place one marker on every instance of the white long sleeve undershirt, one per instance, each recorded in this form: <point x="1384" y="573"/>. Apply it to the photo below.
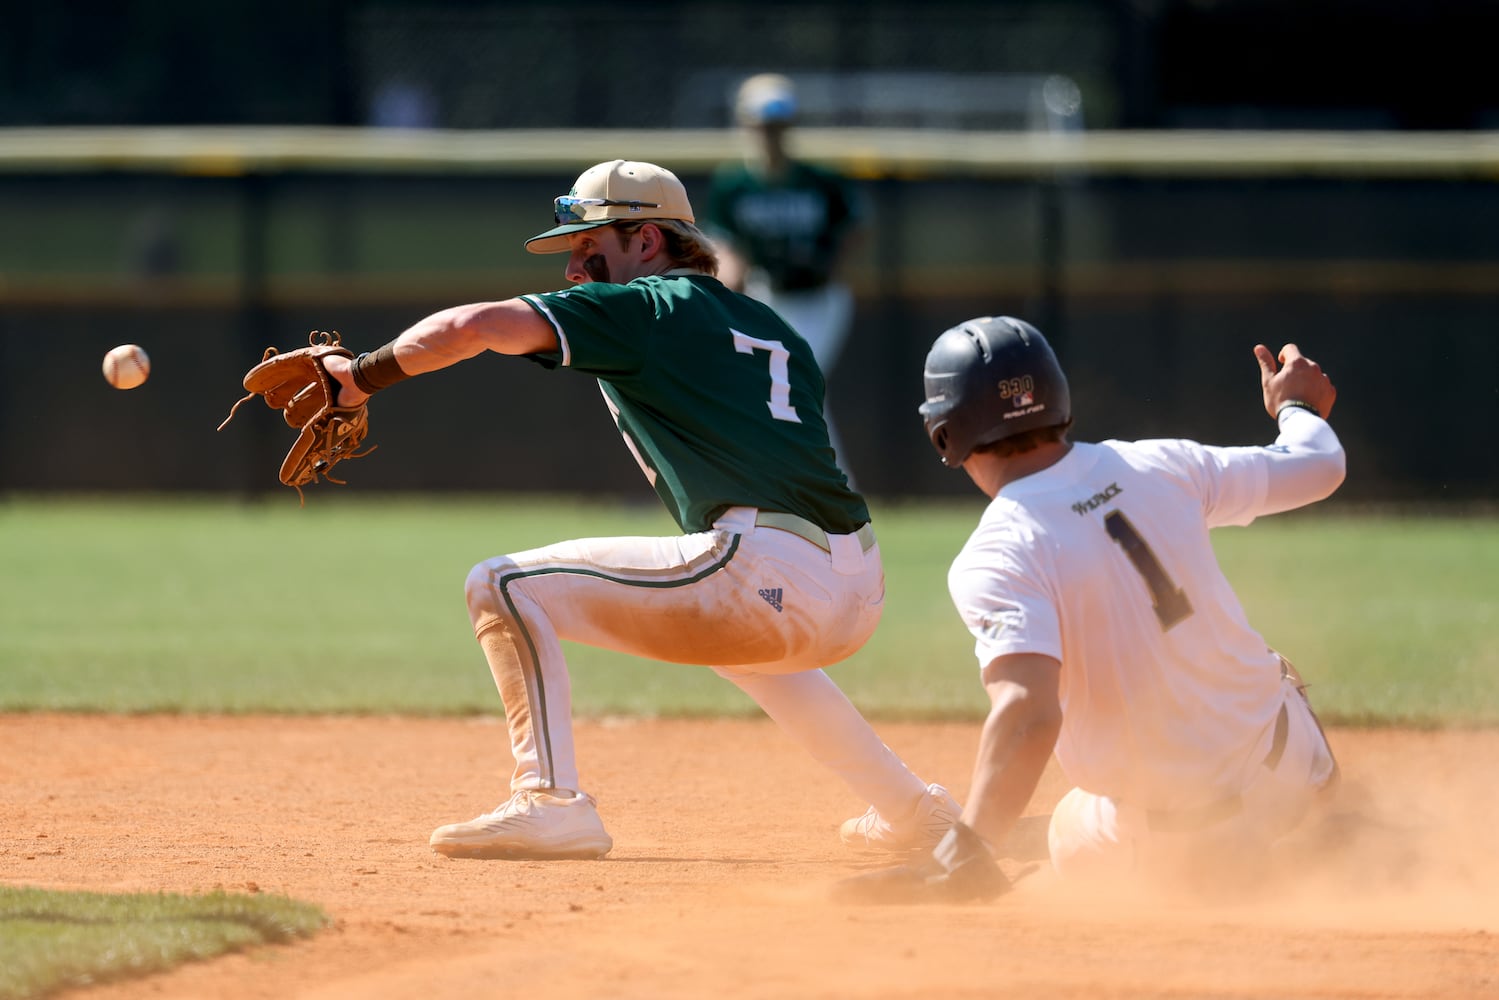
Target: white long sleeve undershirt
<point x="1307" y="462"/>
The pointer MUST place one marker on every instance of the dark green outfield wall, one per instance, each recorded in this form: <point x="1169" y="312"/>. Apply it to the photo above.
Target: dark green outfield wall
<point x="1154" y="290"/>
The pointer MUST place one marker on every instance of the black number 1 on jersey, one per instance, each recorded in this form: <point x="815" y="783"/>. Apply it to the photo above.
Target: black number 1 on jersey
<point x="1170" y="601"/>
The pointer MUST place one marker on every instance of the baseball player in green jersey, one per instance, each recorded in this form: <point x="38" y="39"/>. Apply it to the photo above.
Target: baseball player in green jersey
<point x="777" y="573"/>
<point x="785" y="226"/>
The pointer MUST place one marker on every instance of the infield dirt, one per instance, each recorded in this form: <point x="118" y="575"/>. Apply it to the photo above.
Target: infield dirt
<point x="725" y="845"/>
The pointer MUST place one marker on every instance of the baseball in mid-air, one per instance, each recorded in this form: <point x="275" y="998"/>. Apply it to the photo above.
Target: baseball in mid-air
<point x="126" y="366"/>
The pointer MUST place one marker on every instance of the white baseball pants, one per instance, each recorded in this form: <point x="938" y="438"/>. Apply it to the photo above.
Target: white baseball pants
<point x="766" y="608"/>
<point x="1222" y="847"/>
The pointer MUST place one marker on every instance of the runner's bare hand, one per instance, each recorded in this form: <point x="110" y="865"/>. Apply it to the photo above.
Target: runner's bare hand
<point x="1292" y="376"/>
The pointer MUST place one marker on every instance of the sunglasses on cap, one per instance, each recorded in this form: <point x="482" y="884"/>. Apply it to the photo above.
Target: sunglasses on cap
<point x="569" y="208"/>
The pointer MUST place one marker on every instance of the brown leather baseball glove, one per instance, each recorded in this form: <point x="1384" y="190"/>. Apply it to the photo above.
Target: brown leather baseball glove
<point x="296" y="383"/>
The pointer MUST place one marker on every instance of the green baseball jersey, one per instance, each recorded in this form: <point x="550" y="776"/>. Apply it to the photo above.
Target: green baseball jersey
<point x="719" y="400"/>
<point x="790" y="227"/>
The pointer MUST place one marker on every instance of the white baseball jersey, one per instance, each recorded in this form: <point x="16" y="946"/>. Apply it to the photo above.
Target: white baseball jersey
<point x="1103" y="561"/>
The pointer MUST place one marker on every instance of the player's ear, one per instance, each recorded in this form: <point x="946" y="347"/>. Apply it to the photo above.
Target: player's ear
<point x="651" y="240"/>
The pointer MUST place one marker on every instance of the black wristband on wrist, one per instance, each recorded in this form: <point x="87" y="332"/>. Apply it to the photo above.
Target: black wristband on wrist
<point x="376" y="370"/>
<point x="1295" y="404"/>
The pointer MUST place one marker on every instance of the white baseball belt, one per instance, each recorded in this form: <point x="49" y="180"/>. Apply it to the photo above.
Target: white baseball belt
<point x="804" y="528"/>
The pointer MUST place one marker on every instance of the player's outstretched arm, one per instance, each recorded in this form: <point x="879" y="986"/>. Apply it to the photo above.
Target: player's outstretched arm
<point x="444" y="339"/>
<point x="1025" y="718"/>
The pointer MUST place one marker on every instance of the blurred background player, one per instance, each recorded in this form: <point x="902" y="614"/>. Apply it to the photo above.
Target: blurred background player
<point x="1105" y="629"/>
<point x="785" y="228"/>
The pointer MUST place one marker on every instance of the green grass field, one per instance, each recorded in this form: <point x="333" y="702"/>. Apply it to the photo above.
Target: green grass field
<point x="354" y="604"/>
<point x="52" y="941"/>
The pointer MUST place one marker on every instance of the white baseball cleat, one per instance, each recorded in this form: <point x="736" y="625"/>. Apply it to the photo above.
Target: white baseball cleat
<point x="534" y="825"/>
<point x="928" y="820"/>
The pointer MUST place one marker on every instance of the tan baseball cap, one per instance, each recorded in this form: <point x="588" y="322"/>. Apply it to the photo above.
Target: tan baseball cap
<point x="611" y="192"/>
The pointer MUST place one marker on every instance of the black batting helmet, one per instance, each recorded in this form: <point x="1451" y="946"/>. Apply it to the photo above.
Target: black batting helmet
<point x="989" y="379"/>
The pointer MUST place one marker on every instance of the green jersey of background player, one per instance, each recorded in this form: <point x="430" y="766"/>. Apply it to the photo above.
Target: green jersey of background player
<point x="786" y="228"/>
<point x="777" y="573"/>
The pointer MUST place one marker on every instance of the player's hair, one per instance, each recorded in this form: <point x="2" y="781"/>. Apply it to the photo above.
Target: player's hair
<point x="1024" y="441"/>
<point x="687" y="245"/>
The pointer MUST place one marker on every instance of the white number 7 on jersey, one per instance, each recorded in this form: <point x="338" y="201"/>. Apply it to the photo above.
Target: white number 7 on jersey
<point x="780" y="379"/>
